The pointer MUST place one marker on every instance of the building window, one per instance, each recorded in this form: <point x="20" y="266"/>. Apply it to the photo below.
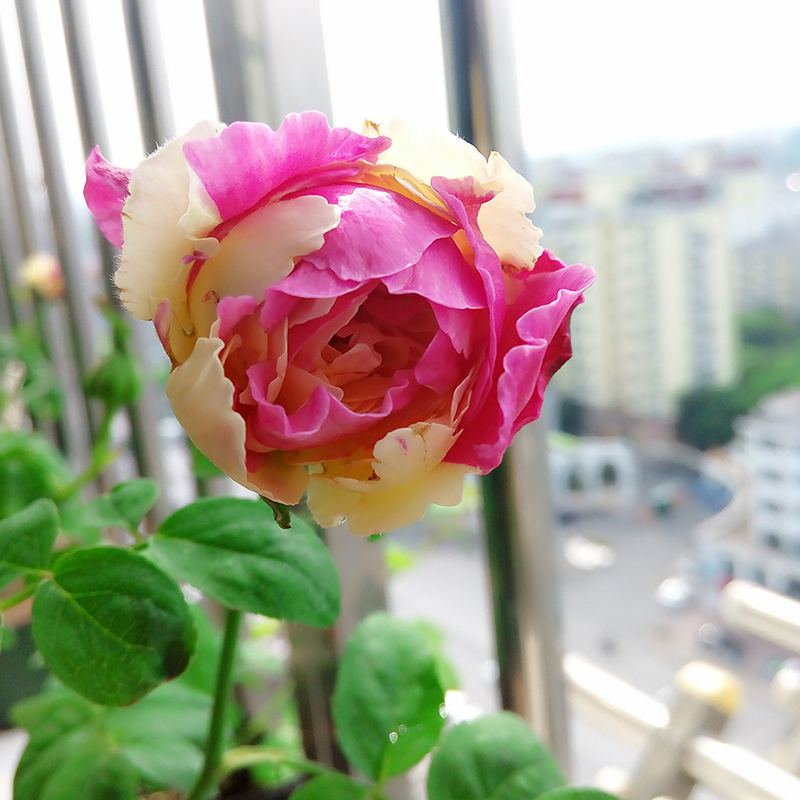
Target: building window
<point x="773" y="541"/>
<point x="609" y="475"/>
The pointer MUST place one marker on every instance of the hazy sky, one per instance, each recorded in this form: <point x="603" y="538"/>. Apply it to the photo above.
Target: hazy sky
<point x="591" y="74"/>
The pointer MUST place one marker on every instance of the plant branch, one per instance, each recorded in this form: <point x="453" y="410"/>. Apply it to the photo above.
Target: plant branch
<point x="101" y="457"/>
<point x="250" y="755"/>
<point x="14" y="599"/>
<point x="222" y="694"/>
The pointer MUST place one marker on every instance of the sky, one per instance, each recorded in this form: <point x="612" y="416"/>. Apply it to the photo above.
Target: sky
<point x="591" y="75"/>
<point x="604" y="74"/>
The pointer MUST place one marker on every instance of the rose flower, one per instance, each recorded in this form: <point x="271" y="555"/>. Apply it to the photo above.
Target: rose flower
<point x="365" y="318"/>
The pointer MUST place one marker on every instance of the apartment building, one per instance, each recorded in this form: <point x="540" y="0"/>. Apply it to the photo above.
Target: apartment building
<point x="669" y="238"/>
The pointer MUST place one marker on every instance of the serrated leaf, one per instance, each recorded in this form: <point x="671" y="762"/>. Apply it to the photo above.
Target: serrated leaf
<point x="111" y="625"/>
<point x="496" y="757"/>
<point x="133" y="499"/>
<point x="330" y="786"/>
<point x="27" y="538"/>
<point x="388" y="696"/>
<point x="233" y="551"/>
<point x="576" y="793"/>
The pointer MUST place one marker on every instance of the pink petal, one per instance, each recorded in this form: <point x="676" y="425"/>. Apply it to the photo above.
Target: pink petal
<point x="533" y="345"/>
<point x="462" y="287"/>
<point x="249" y="160"/>
<point x="323" y="419"/>
<point x="463" y="200"/>
<point x="105" y="193"/>
<point x="380" y="233"/>
<point x="441" y="368"/>
<point x="307" y="280"/>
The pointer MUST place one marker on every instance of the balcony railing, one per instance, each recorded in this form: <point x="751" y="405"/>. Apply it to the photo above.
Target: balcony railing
<point x="680" y="744"/>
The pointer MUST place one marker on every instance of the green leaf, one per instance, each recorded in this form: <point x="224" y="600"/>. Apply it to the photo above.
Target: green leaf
<point x="163" y="734"/>
<point x="117" y="380"/>
<point x="30" y="468"/>
<point x="201" y="674"/>
<point x="203" y="467"/>
<point x="134" y="499"/>
<point x="57" y="721"/>
<point x="388" y="697"/>
<point x="435" y="639"/>
<point x="92" y="770"/>
<point x="123" y="507"/>
<point x="232" y="551"/>
<point x="111" y="625"/>
<point x="27" y="538"/>
<point x="330" y="786"/>
<point x="576" y="793"/>
<point x="496" y="757"/>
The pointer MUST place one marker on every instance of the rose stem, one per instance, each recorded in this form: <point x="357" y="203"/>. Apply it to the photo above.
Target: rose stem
<point x="222" y="694"/>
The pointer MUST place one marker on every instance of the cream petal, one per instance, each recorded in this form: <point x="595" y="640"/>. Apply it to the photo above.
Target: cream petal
<point x="155" y="244"/>
<point x="202" y="400"/>
<point x="411" y="475"/>
<point x="428" y="153"/>
<point x="260" y="251"/>
<point x="502" y="220"/>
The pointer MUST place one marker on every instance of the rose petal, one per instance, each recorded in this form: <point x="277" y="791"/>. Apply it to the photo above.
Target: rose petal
<point x="428" y="153"/>
<point x="380" y="233"/>
<point x="105" y="193"/>
<point x="462" y="287"/>
<point x="502" y="220"/>
<point x="155" y="245"/>
<point x="258" y="253"/>
<point x="410" y="476"/>
<point x="202" y="400"/>
<point x="249" y="160"/>
<point x="534" y="344"/>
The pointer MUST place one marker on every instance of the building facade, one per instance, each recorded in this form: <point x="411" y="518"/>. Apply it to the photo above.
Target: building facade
<point x="682" y="246"/>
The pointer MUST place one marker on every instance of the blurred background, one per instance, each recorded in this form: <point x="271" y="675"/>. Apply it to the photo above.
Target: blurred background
<point x="663" y="143"/>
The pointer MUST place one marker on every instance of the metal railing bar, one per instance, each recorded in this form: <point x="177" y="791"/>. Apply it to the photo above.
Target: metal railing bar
<point x="84" y="419"/>
<point x="22" y="238"/>
<point x="612" y="703"/>
<point x="147" y="63"/>
<point x="736" y="773"/>
<point x="144" y="440"/>
<point x="517" y="511"/>
<point x="226" y="60"/>
<point x="729" y="770"/>
<point x="762" y="612"/>
<point x="10" y="251"/>
<point x="15" y="160"/>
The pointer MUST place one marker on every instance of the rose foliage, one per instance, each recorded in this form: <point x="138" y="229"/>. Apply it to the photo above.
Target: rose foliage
<point x="366" y="318"/>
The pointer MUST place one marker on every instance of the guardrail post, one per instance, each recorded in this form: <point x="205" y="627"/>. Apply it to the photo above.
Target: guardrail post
<point x="706" y="697"/>
<point x="784" y="692"/>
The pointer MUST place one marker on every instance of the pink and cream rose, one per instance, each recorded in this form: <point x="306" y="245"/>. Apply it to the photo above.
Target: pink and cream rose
<point x="366" y="318"/>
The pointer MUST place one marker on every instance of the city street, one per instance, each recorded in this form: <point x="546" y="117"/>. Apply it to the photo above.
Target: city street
<point x="609" y="615"/>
